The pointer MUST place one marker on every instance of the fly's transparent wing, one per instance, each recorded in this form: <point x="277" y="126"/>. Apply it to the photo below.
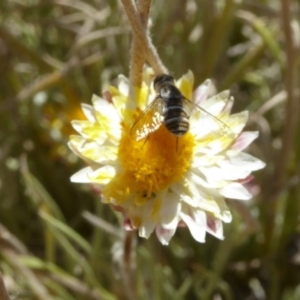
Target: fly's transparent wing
<point x="206" y="121"/>
<point x="149" y="120"/>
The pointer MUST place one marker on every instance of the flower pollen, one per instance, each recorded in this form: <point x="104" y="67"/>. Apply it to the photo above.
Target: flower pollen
<point x="152" y="164"/>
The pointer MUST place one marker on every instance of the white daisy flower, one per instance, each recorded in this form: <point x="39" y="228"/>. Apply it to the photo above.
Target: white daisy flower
<point x="163" y="181"/>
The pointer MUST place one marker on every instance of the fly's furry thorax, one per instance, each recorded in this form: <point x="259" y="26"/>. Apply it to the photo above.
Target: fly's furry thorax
<point x="162" y="81"/>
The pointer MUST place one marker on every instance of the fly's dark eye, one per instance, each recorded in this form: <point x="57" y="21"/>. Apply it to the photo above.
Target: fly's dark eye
<point x="163" y="78"/>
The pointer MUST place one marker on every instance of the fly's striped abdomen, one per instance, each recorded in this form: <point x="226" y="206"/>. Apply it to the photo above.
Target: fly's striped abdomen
<point x="176" y="119"/>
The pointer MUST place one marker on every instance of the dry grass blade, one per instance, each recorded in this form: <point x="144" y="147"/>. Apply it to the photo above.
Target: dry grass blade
<point x="238" y="70"/>
<point x="88" y="10"/>
<point x="66" y="230"/>
<point x="77" y="287"/>
<point x="46" y="81"/>
<point x="22" y="49"/>
<point x="34" y="284"/>
<point x="7" y="239"/>
<point x="273" y="102"/>
<point x="41" y="198"/>
<point x="262" y="29"/>
<point x="215" y="40"/>
<point x="99" y="34"/>
<point x="100" y="223"/>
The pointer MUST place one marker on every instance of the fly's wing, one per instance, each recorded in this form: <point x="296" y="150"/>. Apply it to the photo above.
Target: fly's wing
<point x="206" y="120"/>
<point x="149" y="120"/>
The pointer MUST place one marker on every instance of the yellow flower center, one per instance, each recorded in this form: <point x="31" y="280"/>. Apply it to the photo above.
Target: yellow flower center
<point x="149" y="165"/>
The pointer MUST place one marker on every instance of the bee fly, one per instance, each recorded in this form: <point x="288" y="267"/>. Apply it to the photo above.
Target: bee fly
<point x="173" y="110"/>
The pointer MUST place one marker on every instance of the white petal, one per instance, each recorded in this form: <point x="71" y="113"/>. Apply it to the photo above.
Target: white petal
<point x="105" y="111"/>
<point x="165" y="235"/>
<point x="208" y="181"/>
<point x="207" y="200"/>
<point x="89" y="130"/>
<point x="210" y="140"/>
<point x="235" y="190"/>
<point x="146" y="229"/>
<point x="186" y="193"/>
<point x="211" y="201"/>
<point x="89" y="112"/>
<point x="201" y="92"/>
<point x="237" y="122"/>
<point x="215" y="227"/>
<point x="244" y="140"/>
<point x="185" y="84"/>
<point x="73" y="147"/>
<point x="123" y="85"/>
<point x="148" y="76"/>
<point x="188" y="77"/>
<point x="82" y="176"/>
<point x="103" y="175"/>
<point x="107" y="115"/>
<point x="169" y="211"/>
<point x="89" y="149"/>
<point x="100" y="154"/>
<point x="218" y="176"/>
<point x="196" y="222"/>
<point x="99" y="103"/>
<point x="224" y="214"/>
<point x="194" y="190"/>
<point x="228" y="106"/>
<point x="244" y="161"/>
<point x="217" y="103"/>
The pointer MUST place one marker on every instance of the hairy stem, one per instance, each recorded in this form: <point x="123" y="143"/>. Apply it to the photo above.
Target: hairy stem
<point x="138" y="55"/>
<point x="141" y="34"/>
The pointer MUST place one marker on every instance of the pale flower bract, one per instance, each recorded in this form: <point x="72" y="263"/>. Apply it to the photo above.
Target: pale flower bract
<point x="163" y="181"/>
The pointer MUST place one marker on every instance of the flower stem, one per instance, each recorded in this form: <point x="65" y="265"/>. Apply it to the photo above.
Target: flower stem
<point x="138" y="55"/>
<point x="144" y="38"/>
<point x="129" y="266"/>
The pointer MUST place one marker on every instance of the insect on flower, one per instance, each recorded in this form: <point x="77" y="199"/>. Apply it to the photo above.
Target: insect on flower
<point x="183" y="185"/>
<point x="173" y="110"/>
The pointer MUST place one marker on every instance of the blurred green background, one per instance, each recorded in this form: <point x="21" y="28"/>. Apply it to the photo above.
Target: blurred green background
<point x="57" y="240"/>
